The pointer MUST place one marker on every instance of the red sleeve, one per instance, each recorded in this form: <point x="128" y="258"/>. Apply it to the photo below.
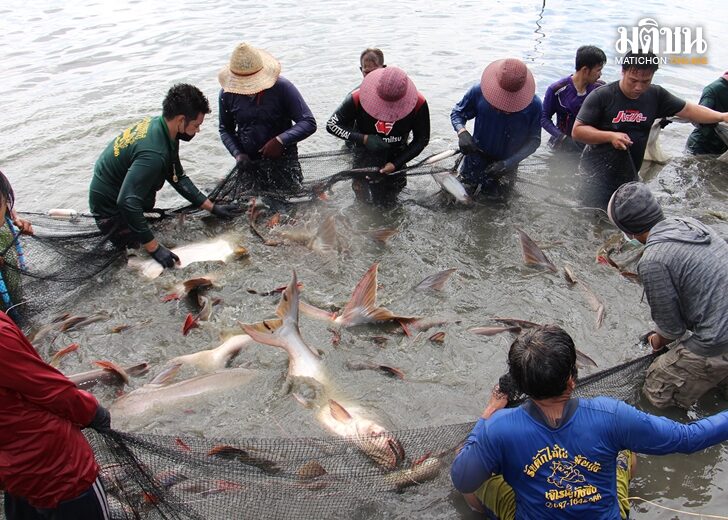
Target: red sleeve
<point x="24" y="372"/>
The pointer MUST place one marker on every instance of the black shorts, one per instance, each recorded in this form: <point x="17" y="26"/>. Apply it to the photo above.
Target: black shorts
<point x="92" y="504"/>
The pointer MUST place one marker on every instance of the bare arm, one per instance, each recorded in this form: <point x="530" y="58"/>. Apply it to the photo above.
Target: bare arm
<point x="702" y="114"/>
<point x="590" y="135"/>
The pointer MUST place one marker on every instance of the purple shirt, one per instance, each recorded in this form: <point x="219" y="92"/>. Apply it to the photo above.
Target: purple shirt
<point x="562" y="99"/>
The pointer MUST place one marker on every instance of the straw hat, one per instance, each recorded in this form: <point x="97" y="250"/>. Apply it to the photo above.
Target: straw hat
<point x="250" y="71"/>
<point x="508" y="85"/>
<point x="388" y="94"/>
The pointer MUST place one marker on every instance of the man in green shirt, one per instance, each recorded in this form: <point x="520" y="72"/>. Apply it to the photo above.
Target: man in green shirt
<point x="134" y="166"/>
<point x="705" y="139"/>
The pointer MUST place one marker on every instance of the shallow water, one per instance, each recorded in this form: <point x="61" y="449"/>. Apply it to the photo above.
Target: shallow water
<point x="74" y="75"/>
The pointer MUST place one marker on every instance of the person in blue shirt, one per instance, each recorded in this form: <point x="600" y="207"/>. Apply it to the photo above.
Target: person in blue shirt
<point x="556" y="456"/>
<point x="507" y="117"/>
<point x="565" y="97"/>
<point x="262" y="118"/>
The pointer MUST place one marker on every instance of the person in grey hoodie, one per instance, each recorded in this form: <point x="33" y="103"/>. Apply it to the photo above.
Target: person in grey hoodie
<point x="684" y="272"/>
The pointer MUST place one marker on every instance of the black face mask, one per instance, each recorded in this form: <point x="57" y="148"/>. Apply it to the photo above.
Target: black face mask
<point x="184" y="136"/>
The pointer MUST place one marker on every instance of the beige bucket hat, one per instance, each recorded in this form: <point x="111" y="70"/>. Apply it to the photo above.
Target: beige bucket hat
<point x="250" y="71"/>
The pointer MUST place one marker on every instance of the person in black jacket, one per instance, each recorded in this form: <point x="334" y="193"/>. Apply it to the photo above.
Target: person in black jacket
<point x="378" y="119"/>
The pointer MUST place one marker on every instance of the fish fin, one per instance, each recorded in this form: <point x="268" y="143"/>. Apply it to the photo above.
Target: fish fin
<point x="514" y="322"/>
<point x="56" y="359"/>
<point x="202" y="282"/>
<point x="391" y="371"/>
<point x="265" y="336"/>
<point x="314" y="312"/>
<point x="600" y="315"/>
<point x="382" y="235"/>
<point x="584" y="360"/>
<point x="288" y="306"/>
<point x="365" y="293"/>
<point x="167" y="374"/>
<point x="137" y="370"/>
<point x="405" y="328"/>
<point x="569" y="275"/>
<point x="338" y="412"/>
<point x="113" y="367"/>
<point x="532" y="254"/>
<point x="436" y="281"/>
<point x="492" y="331"/>
<point x="325" y="238"/>
<point x="189" y="324"/>
<point x="265" y="326"/>
<point x="437" y="337"/>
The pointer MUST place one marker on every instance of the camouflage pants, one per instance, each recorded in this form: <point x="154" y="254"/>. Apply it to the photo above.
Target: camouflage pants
<point x="680" y="377"/>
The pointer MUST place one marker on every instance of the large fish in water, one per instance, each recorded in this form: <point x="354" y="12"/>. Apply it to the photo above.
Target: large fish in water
<point x="305" y="362"/>
<point x="155" y="395"/>
<point x="362" y="306"/>
<point x="219" y="250"/>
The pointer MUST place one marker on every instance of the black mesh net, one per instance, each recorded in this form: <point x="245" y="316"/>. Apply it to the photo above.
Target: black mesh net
<point x="154" y="476"/>
<point x="319" y="173"/>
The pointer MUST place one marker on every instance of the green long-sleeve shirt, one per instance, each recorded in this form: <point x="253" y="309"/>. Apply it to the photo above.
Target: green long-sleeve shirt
<point x="704" y="139"/>
<point x="131" y="170"/>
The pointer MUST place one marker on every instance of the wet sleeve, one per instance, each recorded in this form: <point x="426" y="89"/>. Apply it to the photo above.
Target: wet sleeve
<point x="653" y="435"/>
<point x="300" y="114"/>
<point x="420" y="137"/>
<point x="465" y="109"/>
<point x="474" y="464"/>
<point x="668" y="104"/>
<point x="227" y="127"/>
<point x="39" y="383"/>
<point x="188" y="190"/>
<point x="137" y="186"/>
<point x="591" y="110"/>
<point x="342" y="121"/>
<point x="548" y="111"/>
<point x="663" y="298"/>
<point x="533" y="130"/>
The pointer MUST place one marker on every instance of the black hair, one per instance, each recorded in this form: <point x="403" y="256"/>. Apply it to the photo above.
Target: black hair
<point x="640" y="61"/>
<point x="589" y="56"/>
<point x="6" y="191"/>
<point x="186" y="100"/>
<point x="375" y="55"/>
<point x="541" y="360"/>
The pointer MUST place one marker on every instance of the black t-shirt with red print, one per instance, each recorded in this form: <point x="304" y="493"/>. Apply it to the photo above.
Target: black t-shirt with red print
<point x="607" y="108"/>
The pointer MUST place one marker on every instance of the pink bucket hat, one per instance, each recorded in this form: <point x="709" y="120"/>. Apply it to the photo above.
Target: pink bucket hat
<point x="508" y="85"/>
<point x="388" y="94"/>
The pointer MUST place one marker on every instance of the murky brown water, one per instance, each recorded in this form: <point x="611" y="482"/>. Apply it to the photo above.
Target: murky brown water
<point x="75" y="75"/>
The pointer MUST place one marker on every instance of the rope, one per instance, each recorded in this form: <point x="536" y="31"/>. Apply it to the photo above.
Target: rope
<point x="700" y="515"/>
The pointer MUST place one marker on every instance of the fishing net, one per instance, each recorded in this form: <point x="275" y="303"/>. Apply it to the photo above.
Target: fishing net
<point x="55" y="261"/>
<point x="68" y="249"/>
<point x="186" y="477"/>
<point x="320" y="172"/>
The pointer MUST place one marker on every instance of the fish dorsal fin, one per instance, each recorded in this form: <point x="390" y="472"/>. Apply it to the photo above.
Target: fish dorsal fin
<point x="532" y="254"/>
<point x="113" y="367"/>
<point x="338" y="412"/>
<point x="325" y="238"/>
<point x="167" y="375"/>
<point x="287" y="308"/>
<point x="365" y="292"/>
<point x="435" y="281"/>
